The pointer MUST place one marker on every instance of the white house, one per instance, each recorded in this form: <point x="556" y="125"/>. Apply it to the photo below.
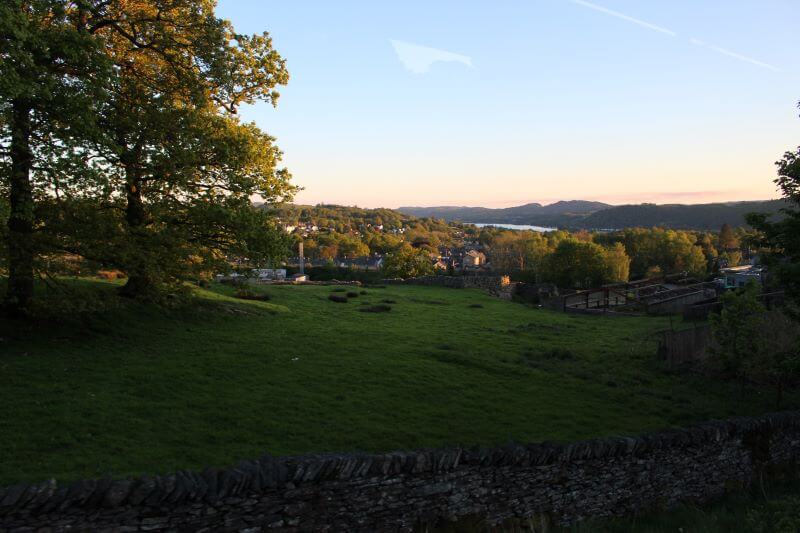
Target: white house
<point x="739" y="276"/>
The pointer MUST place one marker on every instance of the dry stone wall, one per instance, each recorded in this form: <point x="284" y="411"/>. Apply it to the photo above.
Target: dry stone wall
<point x="545" y="482"/>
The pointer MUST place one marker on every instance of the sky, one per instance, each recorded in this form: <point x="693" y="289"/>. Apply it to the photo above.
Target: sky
<point x="500" y="103"/>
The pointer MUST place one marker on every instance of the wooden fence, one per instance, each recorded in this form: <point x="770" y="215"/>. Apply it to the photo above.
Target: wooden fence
<point x="687" y="345"/>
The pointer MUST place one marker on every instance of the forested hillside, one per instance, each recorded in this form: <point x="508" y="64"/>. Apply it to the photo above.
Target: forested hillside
<point x="595" y="215"/>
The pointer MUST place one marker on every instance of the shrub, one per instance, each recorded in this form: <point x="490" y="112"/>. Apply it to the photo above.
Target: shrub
<point x="476" y="306"/>
<point x="243" y="293"/>
<point x="110" y="275"/>
<point x="363" y="292"/>
<point x="338" y="299"/>
<point x="352" y="294"/>
<point x="387" y="301"/>
<point x="379" y="308"/>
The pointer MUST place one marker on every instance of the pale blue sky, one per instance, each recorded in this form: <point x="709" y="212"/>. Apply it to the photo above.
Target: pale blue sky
<point x="615" y="100"/>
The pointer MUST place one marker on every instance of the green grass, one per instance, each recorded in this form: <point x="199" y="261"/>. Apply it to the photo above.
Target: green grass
<point x="142" y="389"/>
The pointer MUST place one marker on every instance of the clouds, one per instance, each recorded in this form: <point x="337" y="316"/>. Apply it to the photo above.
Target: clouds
<point x="418" y="59"/>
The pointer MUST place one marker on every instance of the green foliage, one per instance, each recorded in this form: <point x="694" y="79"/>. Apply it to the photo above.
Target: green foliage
<point x="781" y="238"/>
<point x="581" y="264"/>
<point x="352" y="232"/>
<point x="52" y="71"/>
<point x="125" y="115"/>
<point x="407" y="262"/>
<point x="670" y="250"/>
<point x="755" y="345"/>
<point x="776" y="361"/>
<point x="736" y="329"/>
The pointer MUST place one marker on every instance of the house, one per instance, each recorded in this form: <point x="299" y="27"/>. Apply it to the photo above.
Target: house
<point x="739" y="276"/>
<point x="269" y="274"/>
<point x="440" y="264"/>
<point x="256" y="275"/>
<point x="473" y="259"/>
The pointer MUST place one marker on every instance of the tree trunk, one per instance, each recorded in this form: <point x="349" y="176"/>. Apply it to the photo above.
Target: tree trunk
<point x="20" y="220"/>
<point x="140" y="282"/>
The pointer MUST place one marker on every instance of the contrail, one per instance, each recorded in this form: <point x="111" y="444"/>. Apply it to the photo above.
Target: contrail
<point x="624" y="17"/>
<point x="693" y="40"/>
<point x="746" y="59"/>
<point x="418" y="59"/>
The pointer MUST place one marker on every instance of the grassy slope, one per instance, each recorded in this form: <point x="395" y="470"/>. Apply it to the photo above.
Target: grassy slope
<point x="146" y="390"/>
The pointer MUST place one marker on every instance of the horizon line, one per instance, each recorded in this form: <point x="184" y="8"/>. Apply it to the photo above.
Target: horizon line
<point x="454" y="206"/>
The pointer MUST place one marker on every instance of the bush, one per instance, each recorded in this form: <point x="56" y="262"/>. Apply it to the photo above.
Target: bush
<point x="352" y="294"/>
<point x="387" y="301"/>
<point x="110" y="275"/>
<point x="243" y="293"/>
<point x="338" y="299"/>
<point x="476" y="306"/>
<point x="363" y="292"/>
<point x="379" y="308"/>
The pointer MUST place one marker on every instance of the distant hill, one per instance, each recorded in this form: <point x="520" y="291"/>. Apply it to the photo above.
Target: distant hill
<point x="678" y="216"/>
<point x="533" y="213"/>
<point x="578" y="214"/>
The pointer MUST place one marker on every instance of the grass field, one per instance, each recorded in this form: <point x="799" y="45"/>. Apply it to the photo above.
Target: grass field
<point x="148" y="390"/>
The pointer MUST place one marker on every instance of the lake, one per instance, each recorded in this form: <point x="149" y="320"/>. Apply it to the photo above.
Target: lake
<point x="513" y="226"/>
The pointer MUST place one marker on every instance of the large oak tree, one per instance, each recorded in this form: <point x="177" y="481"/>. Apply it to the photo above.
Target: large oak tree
<point x="161" y="180"/>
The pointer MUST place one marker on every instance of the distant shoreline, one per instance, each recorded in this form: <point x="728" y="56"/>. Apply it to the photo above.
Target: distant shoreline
<point x="520" y="227"/>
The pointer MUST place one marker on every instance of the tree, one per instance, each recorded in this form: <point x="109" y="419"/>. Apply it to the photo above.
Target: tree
<point x="174" y="160"/>
<point x="51" y="72"/>
<point x="776" y="361"/>
<point x="781" y="239"/>
<point x="727" y="238"/>
<point x="737" y="330"/>
<point x="576" y="264"/>
<point x="754" y="345"/>
<point x="617" y="264"/>
<point x="407" y="262"/>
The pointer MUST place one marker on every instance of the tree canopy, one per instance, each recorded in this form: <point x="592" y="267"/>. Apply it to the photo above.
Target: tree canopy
<point x="781" y="238"/>
<point x="120" y="116"/>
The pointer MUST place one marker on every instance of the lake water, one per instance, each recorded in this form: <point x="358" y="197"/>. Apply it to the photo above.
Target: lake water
<point x="514" y="226"/>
